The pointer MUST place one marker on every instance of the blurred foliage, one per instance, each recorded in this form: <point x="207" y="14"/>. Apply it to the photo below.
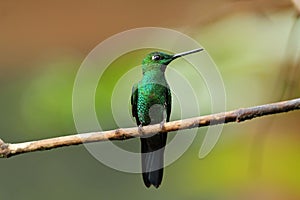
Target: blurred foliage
<point x="248" y="50"/>
<point x="49" y="92"/>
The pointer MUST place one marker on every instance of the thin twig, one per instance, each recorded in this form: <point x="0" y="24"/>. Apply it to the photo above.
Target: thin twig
<point x="239" y="115"/>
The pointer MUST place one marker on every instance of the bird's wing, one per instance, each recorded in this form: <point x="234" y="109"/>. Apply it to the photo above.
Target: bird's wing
<point x="134" y="99"/>
<point x="169" y="103"/>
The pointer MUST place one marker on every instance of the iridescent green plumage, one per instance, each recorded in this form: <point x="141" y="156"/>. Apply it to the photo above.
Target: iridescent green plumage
<point x="151" y="104"/>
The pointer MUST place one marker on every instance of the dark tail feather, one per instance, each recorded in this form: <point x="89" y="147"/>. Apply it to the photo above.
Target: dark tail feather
<point x="153" y="159"/>
<point x="152" y="166"/>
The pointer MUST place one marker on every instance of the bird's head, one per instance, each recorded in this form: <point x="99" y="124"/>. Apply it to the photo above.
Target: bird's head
<point x="160" y="60"/>
<point x="156" y="61"/>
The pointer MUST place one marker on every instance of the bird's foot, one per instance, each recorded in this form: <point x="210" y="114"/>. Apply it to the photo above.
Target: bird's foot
<point x="142" y="132"/>
<point x="140" y="129"/>
<point x="162" y="124"/>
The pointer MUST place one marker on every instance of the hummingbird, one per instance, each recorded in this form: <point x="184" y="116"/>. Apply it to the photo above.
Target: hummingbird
<point x="151" y="104"/>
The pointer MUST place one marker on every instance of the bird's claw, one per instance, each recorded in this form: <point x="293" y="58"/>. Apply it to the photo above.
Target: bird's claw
<point x="162" y="124"/>
<point x="140" y="129"/>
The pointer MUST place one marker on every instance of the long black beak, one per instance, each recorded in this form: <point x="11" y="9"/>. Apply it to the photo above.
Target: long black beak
<point x="186" y="53"/>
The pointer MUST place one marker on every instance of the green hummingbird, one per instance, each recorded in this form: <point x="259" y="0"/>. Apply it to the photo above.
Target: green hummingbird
<point x="151" y="103"/>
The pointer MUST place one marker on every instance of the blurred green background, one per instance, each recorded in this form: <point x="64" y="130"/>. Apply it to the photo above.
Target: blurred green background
<point x="254" y="45"/>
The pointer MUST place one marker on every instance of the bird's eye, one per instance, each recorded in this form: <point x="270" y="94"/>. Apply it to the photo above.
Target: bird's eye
<point x="156" y="57"/>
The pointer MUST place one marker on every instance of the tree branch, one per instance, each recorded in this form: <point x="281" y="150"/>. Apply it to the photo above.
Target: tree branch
<point x="239" y="115"/>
